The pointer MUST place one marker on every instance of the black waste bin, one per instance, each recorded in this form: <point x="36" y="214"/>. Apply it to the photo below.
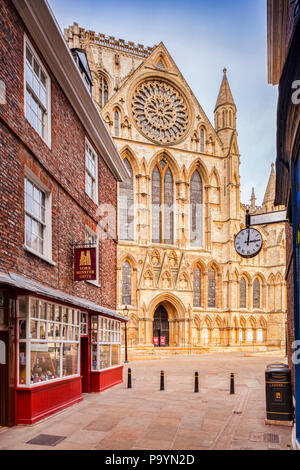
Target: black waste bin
<point x="279" y="400"/>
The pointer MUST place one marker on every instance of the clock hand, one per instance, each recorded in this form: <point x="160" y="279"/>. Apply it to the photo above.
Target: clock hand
<point x="248" y="237"/>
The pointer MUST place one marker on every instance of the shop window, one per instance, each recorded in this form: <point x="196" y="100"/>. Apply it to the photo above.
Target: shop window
<point x="91" y="172"/>
<point x="48" y="341"/>
<point x="106" y="343"/>
<point x="84" y="324"/>
<point x="37" y="93"/>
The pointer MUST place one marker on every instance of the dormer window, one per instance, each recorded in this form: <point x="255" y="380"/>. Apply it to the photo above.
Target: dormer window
<point x="82" y="63"/>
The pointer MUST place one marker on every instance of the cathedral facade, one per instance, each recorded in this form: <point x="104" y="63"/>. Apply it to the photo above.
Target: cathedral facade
<point x="180" y="280"/>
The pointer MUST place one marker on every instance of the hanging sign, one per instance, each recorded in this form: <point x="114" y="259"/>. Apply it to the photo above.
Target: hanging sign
<point x="85" y="268"/>
<point x="155" y="341"/>
<point x="162" y="340"/>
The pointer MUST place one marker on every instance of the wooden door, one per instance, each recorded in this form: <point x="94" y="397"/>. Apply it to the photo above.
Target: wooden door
<point x="161" y="327"/>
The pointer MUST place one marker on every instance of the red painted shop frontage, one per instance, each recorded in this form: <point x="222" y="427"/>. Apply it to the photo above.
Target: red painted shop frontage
<point x="53" y="348"/>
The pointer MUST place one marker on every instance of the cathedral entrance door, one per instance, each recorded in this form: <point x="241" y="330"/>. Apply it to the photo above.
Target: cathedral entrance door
<point x="161" y="327"/>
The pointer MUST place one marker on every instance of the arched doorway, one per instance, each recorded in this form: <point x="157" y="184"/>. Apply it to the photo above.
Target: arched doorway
<point x="161" y="327"/>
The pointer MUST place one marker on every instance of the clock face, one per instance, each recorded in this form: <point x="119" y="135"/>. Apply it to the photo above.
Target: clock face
<point x="248" y="242"/>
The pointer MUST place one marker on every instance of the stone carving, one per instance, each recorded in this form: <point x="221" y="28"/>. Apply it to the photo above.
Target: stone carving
<point x="160" y="111"/>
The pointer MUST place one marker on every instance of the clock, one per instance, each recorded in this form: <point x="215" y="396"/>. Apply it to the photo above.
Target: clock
<point x="248" y="242"/>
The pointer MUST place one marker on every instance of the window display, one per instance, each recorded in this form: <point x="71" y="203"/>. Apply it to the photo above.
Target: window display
<point x="48" y="341"/>
<point x="106" y="342"/>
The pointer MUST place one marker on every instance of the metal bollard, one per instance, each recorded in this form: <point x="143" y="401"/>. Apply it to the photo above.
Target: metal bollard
<point x="231" y="384"/>
<point x="129" y="379"/>
<point x="196" y="382"/>
<point x="162" y="380"/>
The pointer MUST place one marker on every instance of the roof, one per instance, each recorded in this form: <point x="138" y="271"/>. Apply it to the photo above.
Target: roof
<point x="27" y="284"/>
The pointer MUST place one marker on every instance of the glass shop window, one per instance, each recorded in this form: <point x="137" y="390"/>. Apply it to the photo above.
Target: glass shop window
<point x="48" y="341"/>
<point x="106" y="342"/>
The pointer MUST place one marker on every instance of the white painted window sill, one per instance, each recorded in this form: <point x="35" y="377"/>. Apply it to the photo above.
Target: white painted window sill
<point x="39" y="255"/>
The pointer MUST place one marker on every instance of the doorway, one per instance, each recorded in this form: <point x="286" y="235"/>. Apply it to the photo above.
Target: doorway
<point x="4" y="378"/>
<point x="84" y="363"/>
<point x="161" y="327"/>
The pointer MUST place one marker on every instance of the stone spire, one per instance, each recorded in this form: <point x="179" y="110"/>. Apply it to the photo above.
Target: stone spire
<point x="270" y="191"/>
<point x="253" y="199"/>
<point x="225" y="96"/>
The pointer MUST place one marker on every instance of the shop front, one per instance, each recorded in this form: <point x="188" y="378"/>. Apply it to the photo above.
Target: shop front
<point x="60" y="351"/>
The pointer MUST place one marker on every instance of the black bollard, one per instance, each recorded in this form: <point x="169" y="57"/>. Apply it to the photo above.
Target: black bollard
<point x="231" y="384"/>
<point x="162" y="380"/>
<point x="196" y="382"/>
<point x="129" y="378"/>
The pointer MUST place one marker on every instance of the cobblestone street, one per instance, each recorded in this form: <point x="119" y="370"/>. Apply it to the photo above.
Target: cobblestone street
<point x="179" y="419"/>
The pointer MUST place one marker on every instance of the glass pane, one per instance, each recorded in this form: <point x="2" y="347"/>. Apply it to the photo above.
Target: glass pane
<point x="70" y="359"/>
<point x="50" y="331"/>
<point x="33" y="329"/>
<point x="42" y="368"/>
<point x="51" y="312"/>
<point x="104" y="356"/>
<point x="64" y="315"/>
<point x="54" y="350"/>
<point x="115" y="355"/>
<point x="23" y="308"/>
<point x="34" y="310"/>
<point x="2" y="317"/>
<point x="57" y="313"/>
<point x="22" y="363"/>
<point x="94" y="356"/>
<point x="42" y="330"/>
<point x="43" y="311"/>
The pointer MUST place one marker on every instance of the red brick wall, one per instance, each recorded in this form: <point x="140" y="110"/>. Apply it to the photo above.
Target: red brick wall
<point x="61" y="169"/>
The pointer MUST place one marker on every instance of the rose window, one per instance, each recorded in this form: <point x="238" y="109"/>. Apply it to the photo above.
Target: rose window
<point x="160" y="111"/>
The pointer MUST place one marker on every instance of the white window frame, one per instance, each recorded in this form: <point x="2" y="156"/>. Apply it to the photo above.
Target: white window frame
<point x="28" y="341"/>
<point x="91" y="232"/>
<point x="47" y="124"/>
<point x="47" y="251"/>
<point x="115" y="337"/>
<point x="94" y="196"/>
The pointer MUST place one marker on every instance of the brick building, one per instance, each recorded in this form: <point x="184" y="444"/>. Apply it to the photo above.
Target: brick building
<point x="59" y="166"/>
<point x="284" y="70"/>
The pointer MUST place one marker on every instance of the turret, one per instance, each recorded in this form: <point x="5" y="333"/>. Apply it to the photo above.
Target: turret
<point x="225" y="112"/>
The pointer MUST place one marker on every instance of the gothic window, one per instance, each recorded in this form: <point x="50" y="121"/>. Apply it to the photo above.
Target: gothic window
<point x="256" y="293"/>
<point x="117" y="123"/>
<point x="162" y="204"/>
<point x="223" y="114"/>
<point x="202" y="138"/>
<point x="126" y="283"/>
<point x="212" y="288"/>
<point x="197" y="286"/>
<point x="243" y="293"/>
<point x="103" y="92"/>
<point x="126" y="206"/>
<point x="196" y="200"/>
<point x="230" y="118"/>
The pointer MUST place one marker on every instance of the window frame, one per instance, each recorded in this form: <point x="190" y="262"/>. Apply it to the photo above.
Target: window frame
<point x="115" y="337"/>
<point x="28" y="340"/>
<point x="196" y="244"/>
<point x="47" y="137"/>
<point x="47" y="246"/>
<point x="94" y="197"/>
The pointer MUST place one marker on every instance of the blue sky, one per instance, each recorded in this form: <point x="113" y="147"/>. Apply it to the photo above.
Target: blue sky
<point x="203" y="37"/>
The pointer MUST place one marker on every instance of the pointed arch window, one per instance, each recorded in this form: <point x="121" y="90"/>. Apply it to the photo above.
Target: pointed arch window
<point x="126" y="283"/>
<point x="196" y="210"/>
<point x="162" y="204"/>
<point x="103" y="92"/>
<point x="230" y="118"/>
<point x="256" y="294"/>
<point x="197" y="286"/>
<point x="202" y="140"/>
<point x="117" y="123"/>
<point x="126" y="206"/>
<point x="212" y="288"/>
<point x="223" y="115"/>
<point x="243" y="293"/>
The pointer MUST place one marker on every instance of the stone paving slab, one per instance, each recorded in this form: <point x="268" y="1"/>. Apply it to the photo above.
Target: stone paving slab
<point x="145" y="418"/>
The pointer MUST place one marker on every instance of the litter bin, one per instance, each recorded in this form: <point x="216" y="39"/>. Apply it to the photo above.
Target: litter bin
<point x="279" y="400"/>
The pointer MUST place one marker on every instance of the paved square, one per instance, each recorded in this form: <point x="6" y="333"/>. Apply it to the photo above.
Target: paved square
<point x="177" y="418"/>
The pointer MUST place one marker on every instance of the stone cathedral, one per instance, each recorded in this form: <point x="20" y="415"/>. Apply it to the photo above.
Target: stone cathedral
<point x="180" y="280"/>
